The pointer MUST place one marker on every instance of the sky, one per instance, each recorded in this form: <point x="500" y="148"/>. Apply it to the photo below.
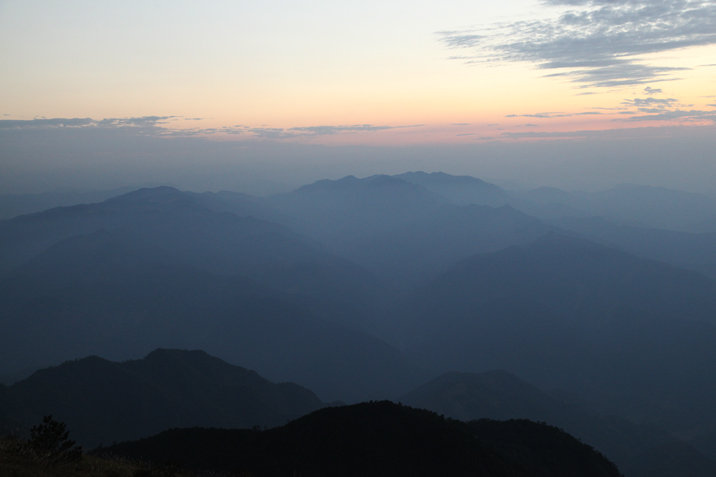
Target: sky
<point x="263" y="95"/>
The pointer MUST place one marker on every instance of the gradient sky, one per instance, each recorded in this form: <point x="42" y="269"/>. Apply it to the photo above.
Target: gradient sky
<point x="368" y="73"/>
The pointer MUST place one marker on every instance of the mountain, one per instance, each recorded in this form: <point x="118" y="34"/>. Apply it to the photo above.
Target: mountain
<point x="693" y="251"/>
<point x="656" y="207"/>
<point x="403" y="231"/>
<point x="639" y="451"/>
<point x="106" y="293"/>
<point x="460" y="190"/>
<point x="196" y="230"/>
<point x="12" y="205"/>
<point x="420" y="250"/>
<point x="549" y="203"/>
<point x="104" y="401"/>
<point x="492" y="394"/>
<point x="349" y="209"/>
<point x="156" y="268"/>
<point x="626" y="204"/>
<point x="379" y="439"/>
<point x="188" y="224"/>
<point x="629" y="336"/>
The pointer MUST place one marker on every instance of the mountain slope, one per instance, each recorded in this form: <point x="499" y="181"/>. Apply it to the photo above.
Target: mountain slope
<point x="116" y="294"/>
<point x="461" y="190"/>
<point x="420" y="250"/>
<point x="693" y="251"/>
<point x="639" y="451"/>
<point x="104" y="401"/>
<point x="186" y="231"/>
<point x="633" y="336"/>
<point x="399" y="228"/>
<point x="351" y="209"/>
<point x="378" y="438"/>
<point x="626" y="204"/>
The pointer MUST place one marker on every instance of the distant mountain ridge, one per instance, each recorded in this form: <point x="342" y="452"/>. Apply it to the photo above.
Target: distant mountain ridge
<point x="360" y="288"/>
<point x="156" y="267"/>
<point x="402" y="227"/>
<point x="625" y="204"/>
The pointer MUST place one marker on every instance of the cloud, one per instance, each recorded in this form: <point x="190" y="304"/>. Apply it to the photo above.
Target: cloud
<point x="321" y="130"/>
<point x="270" y="133"/>
<point x="457" y="39"/>
<point x="46" y="123"/>
<point x="330" y="130"/>
<point x="550" y="115"/>
<point x="650" y="105"/>
<point x="692" y="115"/>
<point x="664" y="109"/>
<point x="649" y="90"/>
<point x="535" y="115"/>
<point x="140" y="122"/>
<point x="157" y="125"/>
<point x="595" y="43"/>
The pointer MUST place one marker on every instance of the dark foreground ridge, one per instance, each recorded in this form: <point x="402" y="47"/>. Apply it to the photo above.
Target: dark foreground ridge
<point x="376" y="439"/>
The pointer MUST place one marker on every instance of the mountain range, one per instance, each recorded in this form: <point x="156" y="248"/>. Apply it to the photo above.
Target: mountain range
<point x="362" y="288"/>
<point x="380" y="439"/>
<point x="103" y="401"/>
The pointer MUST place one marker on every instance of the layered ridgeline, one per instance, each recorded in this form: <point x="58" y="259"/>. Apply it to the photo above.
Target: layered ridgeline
<point x="160" y="268"/>
<point x="626" y="335"/>
<point x="638" y="450"/>
<point x="362" y="288"/>
<point x="693" y="251"/>
<point x="103" y="401"/>
<point x="626" y="204"/>
<point x="405" y="232"/>
<point x="379" y="439"/>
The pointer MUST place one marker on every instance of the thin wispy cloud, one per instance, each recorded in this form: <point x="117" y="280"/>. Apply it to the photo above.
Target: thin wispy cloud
<point x="676" y="114"/>
<point x="321" y="130"/>
<point x="160" y="126"/>
<point x="46" y="123"/>
<point x="595" y="43"/>
<point x="330" y="130"/>
<point x="139" y="122"/>
<point x="650" y="104"/>
<point x="551" y="115"/>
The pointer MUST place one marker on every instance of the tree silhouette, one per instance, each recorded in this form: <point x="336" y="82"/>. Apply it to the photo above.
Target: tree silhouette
<point x="51" y="443"/>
